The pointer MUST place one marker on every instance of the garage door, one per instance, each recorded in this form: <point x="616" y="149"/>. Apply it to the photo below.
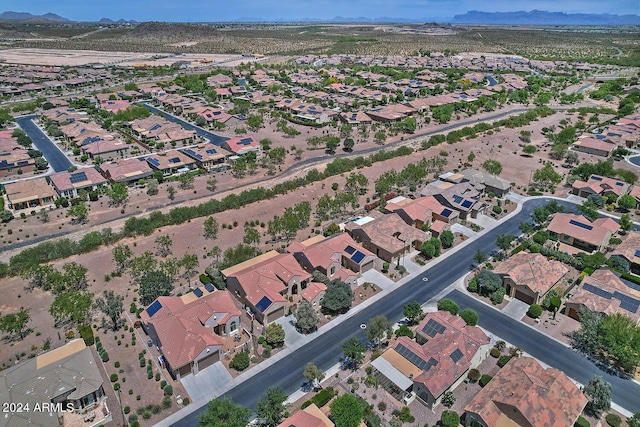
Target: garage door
<point x="185" y="370"/>
<point x="209" y="360"/>
<point x="524" y="297"/>
<point x="276" y="314"/>
<point x="368" y="266"/>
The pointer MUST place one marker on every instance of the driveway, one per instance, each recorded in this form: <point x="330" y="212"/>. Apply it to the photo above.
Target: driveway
<point x="56" y="158"/>
<point x="291" y="335"/>
<point x="459" y="228"/>
<point x="205" y="383"/>
<point x="374" y="276"/>
<point x="515" y="309"/>
<point x="483" y="221"/>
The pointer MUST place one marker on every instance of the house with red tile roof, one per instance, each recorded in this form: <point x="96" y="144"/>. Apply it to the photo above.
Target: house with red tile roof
<point x="438" y="361"/>
<point x="311" y="416"/>
<point x="29" y="194"/>
<point x="208" y="156"/>
<point x="337" y="257"/>
<point x="126" y="170"/>
<point x="579" y="232"/>
<point x="265" y="283"/>
<point x="600" y="185"/>
<point x="314" y="293"/>
<point x="67" y="184"/>
<point x="115" y="105"/>
<point x="188" y="329"/>
<point x="595" y="146"/>
<point x="420" y="211"/>
<point x="528" y="277"/>
<point x="387" y="236"/>
<point x="13" y="156"/>
<point x="523" y="393"/>
<point x="604" y="292"/>
<point x="242" y="145"/>
<point x="106" y="149"/>
<point x="629" y="249"/>
<point x="170" y="162"/>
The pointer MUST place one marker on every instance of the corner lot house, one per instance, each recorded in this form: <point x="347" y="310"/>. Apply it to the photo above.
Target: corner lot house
<point x="188" y="329"/>
<point x="600" y="185"/>
<point x="265" y="283"/>
<point x="67" y="184"/>
<point x="69" y="376"/>
<point x="604" y="292"/>
<point x="528" y="277"/>
<point x="523" y="393"/>
<point x="29" y="194"/>
<point x="595" y="146"/>
<point x="444" y="351"/>
<point x="629" y="249"/>
<point x="582" y="234"/>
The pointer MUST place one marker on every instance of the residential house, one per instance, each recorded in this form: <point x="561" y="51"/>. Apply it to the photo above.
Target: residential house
<point x="311" y="416"/>
<point x="595" y="146"/>
<point x="242" y="145"/>
<point x="314" y="293"/>
<point x="170" y="162"/>
<point x="423" y="210"/>
<point x="106" y="149"/>
<point x="486" y="182"/>
<point x="114" y="106"/>
<point x="265" y="283"/>
<point x="126" y="170"/>
<point x="446" y="348"/>
<point x="29" y="194"/>
<point x="387" y="236"/>
<point x="580" y="233"/>
<point x="523" y="393"/>
<point x="600" y="185"/>
<point x="604" y="292"/>
<point x="208" y="156"/>
<point x="528" y="277"/>
<point x="462" y="197"/>
<point x="13" y="156"/>
<point x="188" y="329"/>
<point x="67" y="184"/>
<point x="629" y="249"/>
<point x="67" y="380"/>
<point x="337" y="257"/>
<point x="355" y="118"/>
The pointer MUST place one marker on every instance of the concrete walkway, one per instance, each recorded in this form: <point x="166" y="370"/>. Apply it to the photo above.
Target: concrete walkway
<point x="374" y="276"/>
<point x="208" y="383"/>
<point x="483" y="221"/>
<point x="459" y="228"/>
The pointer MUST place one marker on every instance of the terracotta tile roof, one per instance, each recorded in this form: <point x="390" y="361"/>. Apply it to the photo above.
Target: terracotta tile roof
<point x="533" y="271"/>
<point x="595" y="144"/>
<point x="328" y="251"/>
<point x="63" y="180"/>
<point x="126" y="170"/>
<point x="389" y="232"/>
<point x="421" y="209"/>
<point x="311" y="416"/>
<point x="312" y="291"/>
<point x="568" y="224"/>
<point x="30" y="189"/>
<point x="180" y="327"/>
<point x="452" y="350"/>
<point x="602" y="184"/>
<point x="608" y="223"/>
<point x="241" y="145"/>
<point x="524" y="393"/>
<point x="170" y="159"/>
<point x="629" y="247"/>
<point x="606" y="298"/>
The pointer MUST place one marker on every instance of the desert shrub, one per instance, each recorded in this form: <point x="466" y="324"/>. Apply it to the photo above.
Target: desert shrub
<point x="240" y="361"/>
<point x="87" y="334"/>
<point x="126" y="409"/>
<point x="503" y="360"/>
<point x="484" y="380"/>
<point x="473" y="375"/>
<point x="494" y="352"/>
<point x="581" y="422"/>
<point x="113" y="378"/>
<point x="104" y="356"/>
<point x="613" y="420"/>
<point x="168" y="390"/>
<point x="534" y="311"/>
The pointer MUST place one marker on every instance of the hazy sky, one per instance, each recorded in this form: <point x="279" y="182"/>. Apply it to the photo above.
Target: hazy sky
<point x="227" y="10"/>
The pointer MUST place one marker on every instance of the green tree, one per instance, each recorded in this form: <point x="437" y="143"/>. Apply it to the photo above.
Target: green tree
<point x="254" y="122"/>
<point x="239" y="167"/>
<point x="240" y="361"/>
<point x="448" y="399"/>
<point x="16" y="323"/>
<point x="529" y="149"/>
<point x="348" y="144"/>
<point x="356" y="183"/>
<point x="337" y="298"/>
<point x="251" y="236"/>
<point x="331" y="144"/>
<point x="447" y="239"/>
<point x="449" y="419"/>
<point x="492" y="166"/>
<point x="526" y="228"/>
<point x="118" y="193"/>
<point x="270" y="408"/>
<point x="211" y="228"/>
<point x="559" y="151"/>
<point x="312" y="373"/>
<point x="143" y="264"/>
<point x="163" y="245"/>
<point x="346" y="411"/>
<point x="412" y="311"/>
<point x="172" y="192"/>
<point x="212" y="184"/>
<point x="274" y="334"/>
<point x="186" y="181"/>
<point x="111" y="305"/>
<point x="189" y="262"/>
<point x="445" y="304"/>
<point x="598" y="391"/>
<point x="380" y="136"/>
<point x="589" y="210"/>
<point x="626" y="202"/>
<point x="224" y="413"/>
<point x="480" y="256"/>
<point x="74" y="276"/>
<point x="572" y="158"/>
<point x="154" y="284"/>
<point x="534" y="311"/>
<point x="469" y="316"/>
<point x="152" y="187"/>
<point x="378" y="328"/>
<point x="427" y="249"/>
<point x="306" y="318"/>
<point x="79" y="213"/>
<point x="354" y="349"/>
<point x="547" y="176"/>
<point x="504" y="241"/>
<point x="72" y="306"/>
<point x="634" y="420"/>
<point x="625" y="222"/>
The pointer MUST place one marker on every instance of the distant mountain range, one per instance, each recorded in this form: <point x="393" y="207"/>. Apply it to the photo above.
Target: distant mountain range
<point x="119" y="21"/>
<point x="26" y="16"/>
<point x="541" y="17"/>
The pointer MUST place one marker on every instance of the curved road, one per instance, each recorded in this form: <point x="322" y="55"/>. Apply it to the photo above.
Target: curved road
<point x="326" y="348"/>
<point x="214" y="138"/>
<point x="56" y="158"/>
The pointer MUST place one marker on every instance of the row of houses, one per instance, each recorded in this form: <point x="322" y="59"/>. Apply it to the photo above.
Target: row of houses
<point x="14" y="158"/>
<point x="625" y="133"/>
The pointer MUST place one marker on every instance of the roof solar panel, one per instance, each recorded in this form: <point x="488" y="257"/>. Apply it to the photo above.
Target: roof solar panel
<point x="597" y="291"/>
<point x="350" y="250"/>
<point x="638" y="252"/>
<point x="619" y="184"/>
<point x="433" y="327"/>
<point x="78" y="177"/>
<point x="457" y="199"/>
<point x="357" y="257"/>
<point x="211" y="151"/>
<point x="467" y="204"/>
<point x="209" y="287"/>
<point x="596" y="178"/>
<point x="153" y="308"/>
<point x="263" y="304"/>
<point x="174" y="160"/>
<point x="456" y="355"/>
<point x="153" y="161"/>
<point x="581" y="224"/>
<point x="198" y="292"/>
<point x="415" y="359"/>
<point x="446" y="212"/>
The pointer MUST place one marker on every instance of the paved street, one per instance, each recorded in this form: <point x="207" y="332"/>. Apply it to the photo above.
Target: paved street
<point x="326" y="348"/>
<point x="56" y="158"/>
<point x="212" y="137"/>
